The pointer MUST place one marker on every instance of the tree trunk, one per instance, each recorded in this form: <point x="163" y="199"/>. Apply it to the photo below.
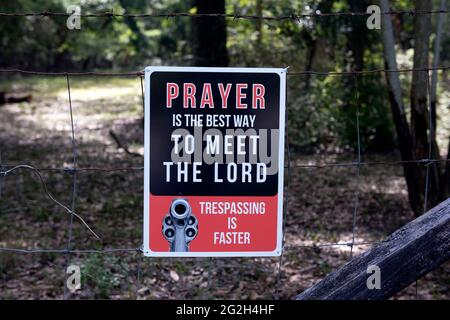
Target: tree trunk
<point x="436" y="56"/>
<point x="420" y="127"/>
<point x="445" y="184"/>
<point x="446" y="179"/>
<point x="258" y="22"/>
<point x="313" y="41"/>
<point x="398" y="112"/>
<point x="419" y="108"/>
<point x="138" y="39"/>
<point x="209" y="35"/>
<point x="311" y="53"/>
<point x="358" y="36"/>
<point x="414" y="143"/>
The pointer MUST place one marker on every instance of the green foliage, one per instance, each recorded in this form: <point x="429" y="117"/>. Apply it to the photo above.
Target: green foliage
<point x="98" y="271"/>
<point x="370" y="100"/>
<point x="30" y="42"/>
<point x="321" y="109"/>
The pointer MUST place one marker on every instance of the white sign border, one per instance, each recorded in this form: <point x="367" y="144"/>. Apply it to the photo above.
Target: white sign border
<point x="146" y="240"/>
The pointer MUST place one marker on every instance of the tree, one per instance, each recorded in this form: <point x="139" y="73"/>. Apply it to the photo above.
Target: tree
<point x="414" y="139"/>
<point x="209" y="35"/>
<point x="357" y="36"/>
<point x="313" y="42"/>
<point x="138" y="39"/>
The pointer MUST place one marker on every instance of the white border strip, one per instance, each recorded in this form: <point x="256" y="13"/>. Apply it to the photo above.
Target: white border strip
<point x="146" y="239"/>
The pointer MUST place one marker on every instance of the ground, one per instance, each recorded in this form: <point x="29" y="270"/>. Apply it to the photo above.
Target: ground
<point x="321" y="207"/>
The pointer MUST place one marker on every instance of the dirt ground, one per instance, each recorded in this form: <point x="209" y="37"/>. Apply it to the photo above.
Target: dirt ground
<point x="321" y="207"/>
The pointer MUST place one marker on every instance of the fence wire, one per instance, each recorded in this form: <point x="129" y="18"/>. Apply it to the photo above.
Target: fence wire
<point x="75" y="169"/>
<point x="296" y="17"/>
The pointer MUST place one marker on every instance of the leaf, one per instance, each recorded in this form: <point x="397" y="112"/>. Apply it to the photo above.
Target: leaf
<point x="174" y="275"/>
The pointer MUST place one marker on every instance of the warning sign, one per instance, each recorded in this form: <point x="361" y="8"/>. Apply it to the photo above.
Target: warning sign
<point x="214" y="159"/>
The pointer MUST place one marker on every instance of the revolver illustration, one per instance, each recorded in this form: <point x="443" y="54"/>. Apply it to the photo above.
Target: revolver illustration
<point x="180" y="226"/>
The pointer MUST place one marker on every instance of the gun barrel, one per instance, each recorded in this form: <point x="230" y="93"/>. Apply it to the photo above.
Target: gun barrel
<point x="180" y="209"/>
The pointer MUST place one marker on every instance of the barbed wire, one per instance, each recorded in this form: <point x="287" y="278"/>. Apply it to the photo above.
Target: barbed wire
<point x="290" y="73"/>
<point x="139" y="249"/>
<point x="75" y="74"/>
<point x="235" y="16"/>
<point x="67" y="251"/>
<point x="49" y="195"/>
<point x="294" y="165"/>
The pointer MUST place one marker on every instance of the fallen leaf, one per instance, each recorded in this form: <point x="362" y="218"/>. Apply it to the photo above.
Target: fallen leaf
<point x="174" y="275"/>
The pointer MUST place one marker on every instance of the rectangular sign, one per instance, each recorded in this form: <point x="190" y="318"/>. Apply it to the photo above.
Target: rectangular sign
<point x="214" y="161"/>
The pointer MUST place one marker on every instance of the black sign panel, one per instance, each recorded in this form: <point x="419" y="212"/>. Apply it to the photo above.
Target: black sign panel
<point x="231" y="116"/>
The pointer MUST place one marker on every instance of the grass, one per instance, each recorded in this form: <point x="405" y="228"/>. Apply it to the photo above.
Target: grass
<point x="53" y="85"/>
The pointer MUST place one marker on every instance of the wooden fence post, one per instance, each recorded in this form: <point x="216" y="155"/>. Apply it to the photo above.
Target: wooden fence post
<point x="405" y="256"/>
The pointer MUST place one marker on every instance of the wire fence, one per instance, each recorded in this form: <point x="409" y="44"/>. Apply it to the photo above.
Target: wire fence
<point x="235" y="16"/>
<point x="75" y="170"/>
